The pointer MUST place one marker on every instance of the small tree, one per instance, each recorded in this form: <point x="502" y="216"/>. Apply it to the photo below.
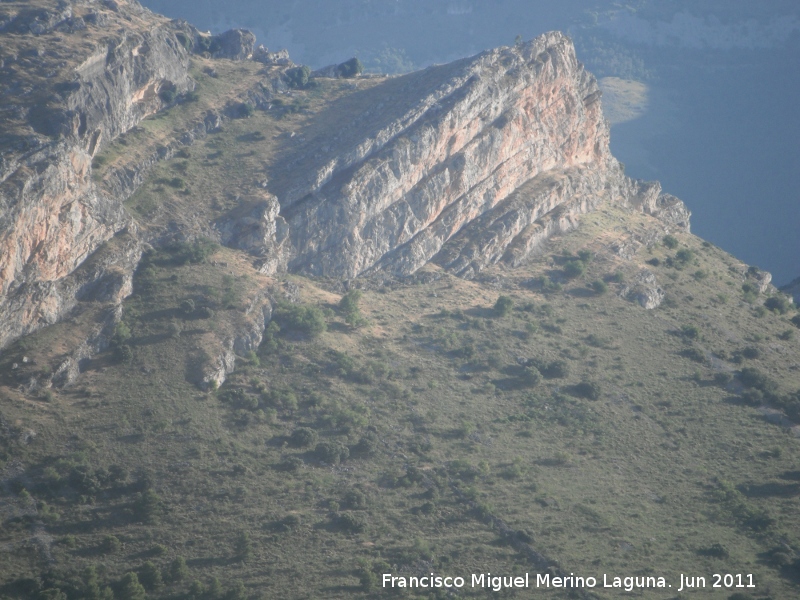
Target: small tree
<point x="197" y="590"/>
<point x="237" y="592"/>
<point x="297" y="77"/>
<point x="574" y="268"/>
<point x="150" y="576"/>
<point x="600" y="287"/>
<point x="243" y="547"/>
<point x="670" y="241"/>
<point x="332" y="452"/>
<point x="779" y="304"/>
<point x="187" y="307"/>
<point x="587" y="389"/>
<point x="303" y="437"/>
<point x="147" y="507"/>
<point x="130" y="588"/>
<point x="503" y="306"/>
<point x="349" y="69"/>
<point x="178" y="570"/>
<point x="349" y="308"/>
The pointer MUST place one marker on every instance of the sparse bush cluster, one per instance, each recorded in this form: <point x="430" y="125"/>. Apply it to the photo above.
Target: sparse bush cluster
<point x="349" y="308"/>
<point x="350" y="68"/>
<point x="503" y="306"/>
<point x="297" y="77"/>
<point x="301" y="318"/>
<point x="551" y="369"/>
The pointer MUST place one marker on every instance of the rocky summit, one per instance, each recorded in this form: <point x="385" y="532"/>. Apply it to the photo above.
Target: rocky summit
<point x="271" y="332"/>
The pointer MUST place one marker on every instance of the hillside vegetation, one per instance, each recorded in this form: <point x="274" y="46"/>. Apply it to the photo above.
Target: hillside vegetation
<point x="447" y="430"/>
<point x="532" y="419"/>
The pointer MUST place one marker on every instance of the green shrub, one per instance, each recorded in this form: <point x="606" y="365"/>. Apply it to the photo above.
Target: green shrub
<point x="355" y="500"/>
<point x="178" y="570"/>
<point x="237" y="592"/>
<point x="168" y="94"/>
<point x="196" y="252"/>
<point x="503" y="306"/>
<point x="670" y="241"/>
<point x="574" y="268"/>
<point x="348" y="307"/>
<point x="331" y="452"/>
<point x="150" y="576"/>
<point x="779" y="304"/>
<point x="723" y="379"/>
<point x="587" y="389"/>
<point x="351" y="522"/>
<point x="753" y="378"/>
<point x="690" y="332"/>
<point x="367" y="445"/>
<point x="617" y="277"/>
<point x="306" y="319"/>
<point x="349" y="69"/>
<point x="694" y="354"/>
<point x="600" y="287"/>
<point x="243" y="547"/>
<point x="530" y="376"/>
<point x="751" y="352"/>
<point x="297" y="77"/>
<point x="303" y="437"/>
<point x="187" y="307"/>
<point x="555" y="369"/>
<point x="122" y="333"/>
<point x="110" y="544"/>
<point x="716" y="551"/>
<point x="204" y="312"/>
<point x="684" y="255"/>
<point x="123" y="353"/>
<point x="147" y="507"/>
<point x="130" y="588"/>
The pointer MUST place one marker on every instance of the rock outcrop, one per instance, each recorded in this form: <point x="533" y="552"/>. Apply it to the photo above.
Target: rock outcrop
<point x="52" y="217"/>
<point x="481" y="160"/>
<point x="793" y="289"/>
<point x="463" y="164"/>
<point x="236" y="44"/>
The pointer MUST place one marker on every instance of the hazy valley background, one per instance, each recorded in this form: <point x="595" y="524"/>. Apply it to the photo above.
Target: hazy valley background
<point x="714" y="118"/>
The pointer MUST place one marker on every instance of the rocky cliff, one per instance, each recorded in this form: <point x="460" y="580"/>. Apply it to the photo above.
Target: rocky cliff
<point x="73" y="77"/>
<point x="463" y="164"/>
<point x="477" y="160"/>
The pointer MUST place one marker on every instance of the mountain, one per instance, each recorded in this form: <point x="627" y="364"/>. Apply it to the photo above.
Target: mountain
<point x="270" y="332"/>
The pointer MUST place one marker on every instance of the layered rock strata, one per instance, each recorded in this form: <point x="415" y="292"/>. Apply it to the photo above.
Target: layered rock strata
<point x="52" y="217"/>
<point x="494" y="154"/>
<point x="464" y="164"/>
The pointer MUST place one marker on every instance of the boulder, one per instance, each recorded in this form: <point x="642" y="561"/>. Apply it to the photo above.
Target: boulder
<point x="235" y="44"/>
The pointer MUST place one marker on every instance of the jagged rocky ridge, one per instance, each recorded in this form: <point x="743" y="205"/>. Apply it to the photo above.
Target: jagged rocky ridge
<point x="478" y="161"/>
<point x="61" y="103"/>
<point x="494" y="154"/>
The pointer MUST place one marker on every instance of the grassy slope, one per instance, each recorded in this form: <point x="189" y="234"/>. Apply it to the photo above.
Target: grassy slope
<point x="625" y="484"/>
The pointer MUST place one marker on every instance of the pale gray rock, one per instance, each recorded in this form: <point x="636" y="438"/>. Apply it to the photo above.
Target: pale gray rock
<point x="645" y="290"/>
<point x="235" y="44"/>
<point x="279" y="58"/>
<point x="793" y="290"/>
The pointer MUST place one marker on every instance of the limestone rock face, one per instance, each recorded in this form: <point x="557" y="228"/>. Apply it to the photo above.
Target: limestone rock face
<point x="645" y="291"/>
<point x="493" y="155"/>
<point x="464" y="164"/>
<point x="52" y="217"/>
<point x="235" y="44"/>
